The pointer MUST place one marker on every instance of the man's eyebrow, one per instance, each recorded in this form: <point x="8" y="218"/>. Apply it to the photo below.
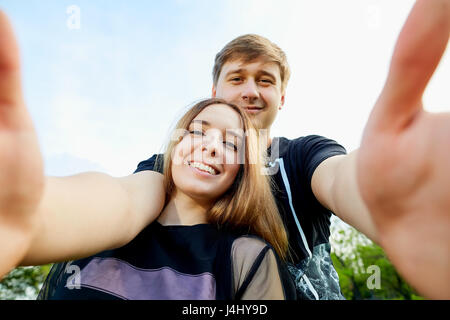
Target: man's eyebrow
<point x="240" y="70"/>
<point x="267" y="73"/>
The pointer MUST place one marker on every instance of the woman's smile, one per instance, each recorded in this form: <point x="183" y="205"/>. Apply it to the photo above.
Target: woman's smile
<point x="202" y="168"/>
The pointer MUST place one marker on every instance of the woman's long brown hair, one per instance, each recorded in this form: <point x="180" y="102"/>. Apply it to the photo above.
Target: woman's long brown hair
<point x="248" y="204"/>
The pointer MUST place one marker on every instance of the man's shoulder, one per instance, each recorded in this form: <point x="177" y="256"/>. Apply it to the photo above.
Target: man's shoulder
<point x="312" y="138"/>
<point x="305" y="153"/>
<point x="154" y="163"/>
<point x="282" y="147"/>
<point x="307" y="142"/>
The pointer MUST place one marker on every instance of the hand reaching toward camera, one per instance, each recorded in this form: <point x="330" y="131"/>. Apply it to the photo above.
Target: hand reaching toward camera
<point x="49" y="219"/>
<point x="21" y="165"/>
<point x="404" y="159"/>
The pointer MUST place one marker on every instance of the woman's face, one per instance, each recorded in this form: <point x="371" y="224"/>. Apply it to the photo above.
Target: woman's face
<point x="206" y="160"/>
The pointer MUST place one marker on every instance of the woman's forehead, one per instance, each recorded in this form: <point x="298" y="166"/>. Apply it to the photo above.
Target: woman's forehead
<point x="219" y="116"/>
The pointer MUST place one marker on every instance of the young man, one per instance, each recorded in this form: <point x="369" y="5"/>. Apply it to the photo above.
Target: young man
<point x="252" y="73"/>
<point x="400" y="174"/>
<point x="315" y="178"/>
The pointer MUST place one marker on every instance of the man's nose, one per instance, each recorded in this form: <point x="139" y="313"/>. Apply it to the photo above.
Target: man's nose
<point x="250" y="90"/>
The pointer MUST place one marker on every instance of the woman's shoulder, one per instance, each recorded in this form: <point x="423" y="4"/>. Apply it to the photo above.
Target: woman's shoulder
<point x="248" y="253"/>
<point x="255" y="270"/>
<point x="249" y="247"/>
<point x="258" y="272"/>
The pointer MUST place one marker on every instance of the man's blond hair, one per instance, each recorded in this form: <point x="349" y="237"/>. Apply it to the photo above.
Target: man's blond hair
<point x="248" y="48"/>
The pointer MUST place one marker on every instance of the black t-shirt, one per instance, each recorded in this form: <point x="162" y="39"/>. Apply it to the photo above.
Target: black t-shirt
<point x="178" y="262"/>
<point x="292" y="164"/>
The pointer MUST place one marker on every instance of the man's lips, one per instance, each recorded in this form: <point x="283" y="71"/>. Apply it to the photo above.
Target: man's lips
<point x="252" y="109"/>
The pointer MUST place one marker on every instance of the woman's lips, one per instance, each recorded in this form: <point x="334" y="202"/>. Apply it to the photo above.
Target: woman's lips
<point x="203" y="167"/>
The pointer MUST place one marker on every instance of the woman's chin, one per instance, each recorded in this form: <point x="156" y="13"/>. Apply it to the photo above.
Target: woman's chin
<point x="203" y="196"/>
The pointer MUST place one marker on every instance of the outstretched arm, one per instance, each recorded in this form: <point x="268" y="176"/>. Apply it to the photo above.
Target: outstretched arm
<point x="46" y="220"/>
<point x="91" y="212"/>
<point x="403" y="166"/>
<point x="395" y="187"/>
<point x="334" y="184"/>
<point x="21" y="167"/>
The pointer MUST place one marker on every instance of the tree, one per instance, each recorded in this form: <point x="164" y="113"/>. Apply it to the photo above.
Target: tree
<point x="23" y="283"/>
<point x="364" y="270"/>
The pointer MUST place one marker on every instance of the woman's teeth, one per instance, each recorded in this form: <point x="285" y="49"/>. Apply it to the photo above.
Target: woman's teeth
<point x="202" y="167"/>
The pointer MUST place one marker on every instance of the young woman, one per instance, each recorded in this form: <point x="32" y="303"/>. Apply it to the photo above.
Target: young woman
<point x="219" y="234"/>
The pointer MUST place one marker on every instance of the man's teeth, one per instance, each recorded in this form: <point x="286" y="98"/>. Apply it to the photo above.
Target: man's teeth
<point x="202" y="167"/>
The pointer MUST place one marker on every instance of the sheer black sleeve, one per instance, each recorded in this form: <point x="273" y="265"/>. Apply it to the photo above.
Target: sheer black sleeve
<point x="258" y="273"/>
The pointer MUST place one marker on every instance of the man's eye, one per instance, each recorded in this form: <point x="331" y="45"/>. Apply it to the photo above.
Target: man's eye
<point x="237" y="79"/>
<point x="267" y="81"/>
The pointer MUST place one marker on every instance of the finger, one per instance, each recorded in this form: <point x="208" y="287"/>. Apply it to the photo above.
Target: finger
<point x="417" y="53"/>
<point x="10" y="88"/>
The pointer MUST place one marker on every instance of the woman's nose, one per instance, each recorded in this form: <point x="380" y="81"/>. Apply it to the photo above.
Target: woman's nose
<point x="211" y="145"/>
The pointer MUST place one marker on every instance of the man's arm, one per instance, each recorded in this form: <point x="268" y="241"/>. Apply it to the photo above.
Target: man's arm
<point x="21" y="165"/>
<point x="402" y="168"/>
<point x="334" y="184"/>
<point x="92" y="212"/>
<point x="403" y="162"/>
<point x="52" y="219"/>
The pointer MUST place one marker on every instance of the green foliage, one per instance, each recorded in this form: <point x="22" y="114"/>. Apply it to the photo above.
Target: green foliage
<point x="358" y="260"/>
<point x="23" y="283"/>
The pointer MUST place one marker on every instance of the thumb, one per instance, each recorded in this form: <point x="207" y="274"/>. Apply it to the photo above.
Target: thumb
<point x="10" y="87"/>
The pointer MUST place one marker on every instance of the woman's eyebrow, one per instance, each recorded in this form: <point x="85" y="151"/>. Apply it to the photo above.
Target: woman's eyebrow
<point x="202" y="122"/>
<point x="227" y="131"/>
<point x="234" y="133"/>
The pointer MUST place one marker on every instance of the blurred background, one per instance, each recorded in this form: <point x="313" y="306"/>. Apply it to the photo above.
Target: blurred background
<point x="105" y="80"/>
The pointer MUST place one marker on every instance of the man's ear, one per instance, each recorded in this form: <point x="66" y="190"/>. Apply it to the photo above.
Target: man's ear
<point x="213" y="92"/>
<point x="282" y="102"/>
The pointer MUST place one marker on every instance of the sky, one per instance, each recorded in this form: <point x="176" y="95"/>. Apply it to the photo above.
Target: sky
<point x="105" y="80"/>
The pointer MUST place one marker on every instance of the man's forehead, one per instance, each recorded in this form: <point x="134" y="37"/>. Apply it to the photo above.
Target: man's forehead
<point x="258" y="64"/>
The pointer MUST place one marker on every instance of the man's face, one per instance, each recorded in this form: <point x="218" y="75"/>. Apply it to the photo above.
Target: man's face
<point x="253" y="86"/>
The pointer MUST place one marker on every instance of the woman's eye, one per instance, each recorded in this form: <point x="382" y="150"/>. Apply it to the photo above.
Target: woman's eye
<point x="230" y="145"/>
<point x="196" y="132"/>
